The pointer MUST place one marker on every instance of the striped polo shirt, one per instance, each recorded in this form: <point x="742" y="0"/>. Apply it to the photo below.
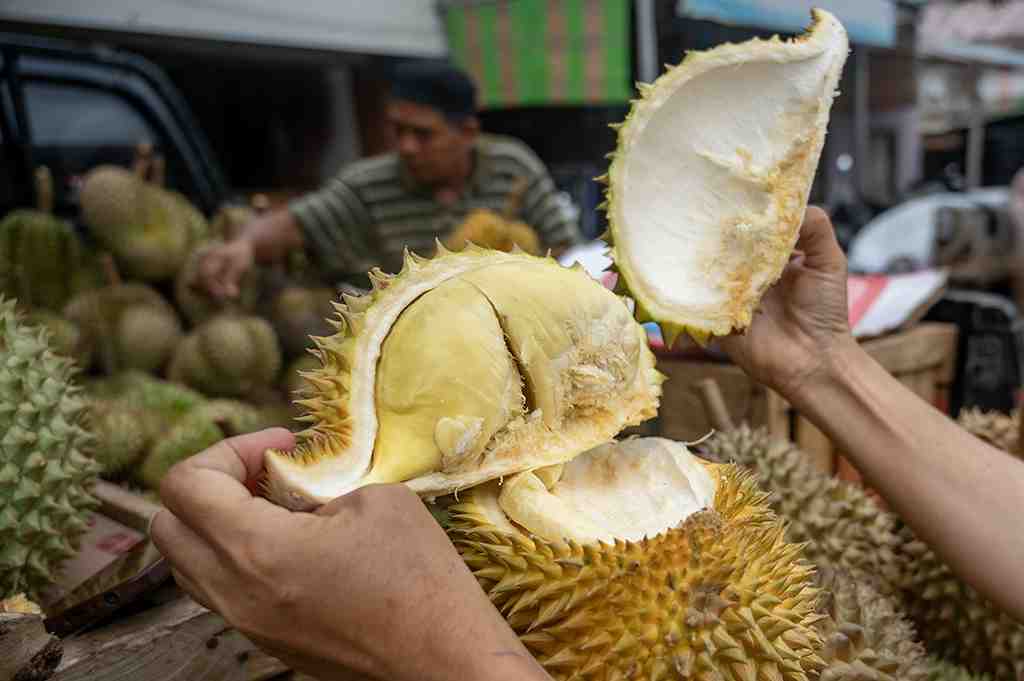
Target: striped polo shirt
<point x="372" y="210"/>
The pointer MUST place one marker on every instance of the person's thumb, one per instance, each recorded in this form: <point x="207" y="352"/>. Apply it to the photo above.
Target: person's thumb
<point x="818" y="243"/>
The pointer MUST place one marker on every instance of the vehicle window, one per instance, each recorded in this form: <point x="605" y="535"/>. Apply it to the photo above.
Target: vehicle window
<point x="75" y="128"/>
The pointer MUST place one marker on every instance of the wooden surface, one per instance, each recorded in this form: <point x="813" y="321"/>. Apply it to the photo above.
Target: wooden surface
<point x="27" y="652"/>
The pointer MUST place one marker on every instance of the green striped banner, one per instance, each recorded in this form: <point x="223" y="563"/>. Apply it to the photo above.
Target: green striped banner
<point x="542" y="52"/>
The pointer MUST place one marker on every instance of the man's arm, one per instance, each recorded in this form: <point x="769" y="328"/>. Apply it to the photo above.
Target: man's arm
<point x="962" y="496"/>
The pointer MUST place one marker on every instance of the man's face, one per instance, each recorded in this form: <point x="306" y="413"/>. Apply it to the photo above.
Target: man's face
<point x="431" y="147"/>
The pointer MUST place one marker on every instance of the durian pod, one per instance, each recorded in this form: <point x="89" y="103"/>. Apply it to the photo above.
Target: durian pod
<point x="464" y="368"/>
<point x="996" y="428"/>
<point x="954" y="621"/>
<point x="298" y="314"/>
<point x="639" y="562"/>
<point x="197" y="305"/>
<point x="710" y="177"/>
<point x="228" y="356"/>
<point x="130" y="326"/>
<point x="202" y="427"/>
<point x="45" y="473"/>
<point x="487" y="229"/>
<point x="148" y="229"/>
<point x="842" y="526"/>
<point x="866" y="635"/>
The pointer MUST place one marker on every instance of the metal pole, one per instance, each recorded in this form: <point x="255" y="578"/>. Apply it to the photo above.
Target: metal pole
<point x="646" y="40"/>
<point x="861" y="118"/>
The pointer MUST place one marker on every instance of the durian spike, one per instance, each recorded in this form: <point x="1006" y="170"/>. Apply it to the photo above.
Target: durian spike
<point x="143" y="157"/>
<point x="714" y="404"/>
<point x="158" y="171"/>
<point x="44" y="190"/>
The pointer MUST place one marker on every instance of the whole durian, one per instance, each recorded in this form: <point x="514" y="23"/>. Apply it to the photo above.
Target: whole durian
<point x="637" y="561"/>
<point x="228" y="356"/>
<point x="866" y="634"/>
<point x="197" y="305"/>
<point x="297" y="313"/>
<point x="996" y="428"/>
<point x="954" y="621"/>
<point x="45" y="474"/>
<point x="123" y="431"/>
<point x="702" y="224"/>
<point x="843" y="527"/>
<point x="145" y="391"/>
<point x="43" y="263"/>
<point x="463" y="368"/>
<point x="148" y="229"/>
<point x="130" y="326"/>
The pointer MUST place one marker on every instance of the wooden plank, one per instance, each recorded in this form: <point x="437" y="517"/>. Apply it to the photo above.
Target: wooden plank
<point x="260" y="666"/>
<point x="177" y="641"/>
<point x="681" y="416"/>
<point x="123" y="506"/>
<point x="777" y="415"/>
<point x="815" y="445"/>
<point x="27" y="651"/>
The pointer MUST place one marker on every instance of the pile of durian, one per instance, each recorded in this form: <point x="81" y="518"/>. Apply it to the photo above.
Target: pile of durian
<point x="497" y="385"/>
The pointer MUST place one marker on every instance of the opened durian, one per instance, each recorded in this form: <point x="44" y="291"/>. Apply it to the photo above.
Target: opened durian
<point x="690" y="579"/>
<point x="464" y="368"/>
<point x="710" y="178"/>
<point x="45" y="474"/>
<point x="843" y="527"/>
<point x="955" y="622"/>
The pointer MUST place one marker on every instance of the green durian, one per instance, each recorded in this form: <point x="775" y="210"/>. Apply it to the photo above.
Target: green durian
<point x="146" y="391"/>
<point x="123" y="432"/>
<point x="954" y="621"/>
<point x="228" y="356"/>
<point x="131" y="326"/>
<point x="994" y="427"/>
<point x="45" y="473"/>
<point x="200" y="428"/>
<point x="843" y="527"/>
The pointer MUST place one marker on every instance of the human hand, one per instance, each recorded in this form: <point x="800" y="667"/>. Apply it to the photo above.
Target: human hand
<point x="368" y="586"/>
<point x="803" y="320"/>
<point x="222" y="267"/>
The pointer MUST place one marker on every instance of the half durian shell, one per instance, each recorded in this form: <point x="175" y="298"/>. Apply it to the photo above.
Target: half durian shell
<point x="464" y="368"/>
<point x="710" y="179"/>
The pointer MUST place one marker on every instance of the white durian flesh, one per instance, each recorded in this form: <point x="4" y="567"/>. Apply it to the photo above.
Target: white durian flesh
<point x="711" y="176"/>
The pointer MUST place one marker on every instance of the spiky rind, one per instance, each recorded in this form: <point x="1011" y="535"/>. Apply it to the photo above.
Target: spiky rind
<point x="788" y="183"/>
<point x="842" y="526"/>
<point x="45" y="471"/>
<point x="721" y="597"/>
<point x="994" y="427"/>
<point x="228" y="356"/>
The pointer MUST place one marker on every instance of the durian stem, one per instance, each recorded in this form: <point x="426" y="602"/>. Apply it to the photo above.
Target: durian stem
<point x="158" y="171"/>
<point x="140" y="164"/>
<point x="714" y="404"/>
<point x="44" y="190"/>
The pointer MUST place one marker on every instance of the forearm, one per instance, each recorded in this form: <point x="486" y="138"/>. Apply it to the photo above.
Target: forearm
<point x="960" y="495"/>
<point x="273" y="236"/>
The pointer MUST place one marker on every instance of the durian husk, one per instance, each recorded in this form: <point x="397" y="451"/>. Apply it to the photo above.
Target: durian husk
<point x="723" y="596"/>
<point x="46" y="473"/>
<point x="955" y="622"/>
<point x="841" y="525"/>
<point x="996" y="428"/>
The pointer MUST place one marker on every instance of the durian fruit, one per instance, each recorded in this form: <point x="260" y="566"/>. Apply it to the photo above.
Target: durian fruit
<point x="19" y="604"/>
<point x="45" y="474"/>
<point x="197" y="306"/>
<point x="464" y="368"/>
<point x="488" y="229"/>
<point x="996" y="428"/>
<point x="148" y="229"/>
<point x="123" y="431"/>
<point x="228" y="356"/>
<point x="297" y="313"/>
<point x="638" y="561"/>
<point x="944" y="671"/>
<point x="843" y="527"/>
<point x="65" y="336"/>
<point x="200" y="428"/>
<point x="710" y="177"/>
<point x="954" y="621"/>
<point x="866" y="635"/>
<point x="145" y="391"/>
<point x="43" y="263"/>
<point x="130" y="326"/>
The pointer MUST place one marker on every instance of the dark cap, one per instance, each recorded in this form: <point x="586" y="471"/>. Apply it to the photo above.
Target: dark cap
<point x="435" y="84"/>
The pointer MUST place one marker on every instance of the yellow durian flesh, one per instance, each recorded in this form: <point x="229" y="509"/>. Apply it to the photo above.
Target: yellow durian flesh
<point x="415" y="387"/>
<point x="711" y="175"/>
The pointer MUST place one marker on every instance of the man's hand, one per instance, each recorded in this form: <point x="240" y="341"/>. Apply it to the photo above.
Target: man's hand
<point x="369" y="586"/>
<point x="803" y="319"/>
<point x="222" y="267"/>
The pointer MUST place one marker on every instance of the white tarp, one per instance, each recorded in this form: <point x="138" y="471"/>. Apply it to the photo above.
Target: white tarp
<point x="394" y="27"/>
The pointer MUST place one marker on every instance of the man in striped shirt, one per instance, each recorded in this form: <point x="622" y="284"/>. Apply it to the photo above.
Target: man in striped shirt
<point x="442" y="169"/>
